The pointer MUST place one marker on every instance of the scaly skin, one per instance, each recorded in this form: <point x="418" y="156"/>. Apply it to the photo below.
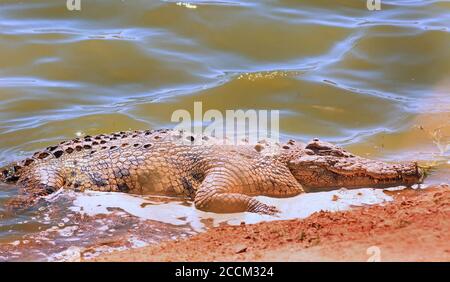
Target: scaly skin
<point x="218" y="176"/>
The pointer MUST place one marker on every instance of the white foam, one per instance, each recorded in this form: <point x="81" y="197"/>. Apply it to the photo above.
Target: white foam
<point x="71" y="254"/>
<point x="176" y="213"/>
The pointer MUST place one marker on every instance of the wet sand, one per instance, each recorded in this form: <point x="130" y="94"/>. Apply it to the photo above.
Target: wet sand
<point x="413" y="227"/>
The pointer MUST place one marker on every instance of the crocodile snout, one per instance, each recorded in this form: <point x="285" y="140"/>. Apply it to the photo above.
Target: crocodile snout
<point x="325" y="171"/>
<point x="411" y="174"/>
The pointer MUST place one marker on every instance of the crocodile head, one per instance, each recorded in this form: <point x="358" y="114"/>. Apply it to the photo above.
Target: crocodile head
<point x="324" y="166"/>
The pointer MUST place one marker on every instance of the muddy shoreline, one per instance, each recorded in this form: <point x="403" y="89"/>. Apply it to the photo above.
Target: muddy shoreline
<point x="414" y="227"/>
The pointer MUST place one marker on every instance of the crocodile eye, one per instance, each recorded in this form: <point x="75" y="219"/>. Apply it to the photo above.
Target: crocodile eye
<point x="190" y="138"/>
<point x="319" y="146"/>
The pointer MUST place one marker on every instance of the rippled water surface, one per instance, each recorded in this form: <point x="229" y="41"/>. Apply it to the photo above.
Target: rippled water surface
<point x="376" y="82"/>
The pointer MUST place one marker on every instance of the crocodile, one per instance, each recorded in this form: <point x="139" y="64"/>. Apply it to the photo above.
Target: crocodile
<point x="218" y="175"/>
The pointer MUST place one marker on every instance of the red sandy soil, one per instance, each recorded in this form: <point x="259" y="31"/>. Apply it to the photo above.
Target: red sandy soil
<point x="414" y="227"/>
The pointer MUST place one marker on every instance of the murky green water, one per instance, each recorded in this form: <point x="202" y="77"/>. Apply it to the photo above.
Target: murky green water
<point x="377" y="82"/>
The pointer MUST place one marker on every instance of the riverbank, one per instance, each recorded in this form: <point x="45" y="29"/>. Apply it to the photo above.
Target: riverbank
<point x="413" y="227"/>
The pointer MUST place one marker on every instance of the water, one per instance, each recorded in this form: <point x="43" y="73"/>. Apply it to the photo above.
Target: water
<point x="375" y="82"/>
<point x="75" y="226"/>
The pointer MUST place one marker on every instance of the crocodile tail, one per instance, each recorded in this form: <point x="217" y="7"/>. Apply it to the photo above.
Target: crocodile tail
<point x="4" y="172"/>
<point x="10" y="173"/>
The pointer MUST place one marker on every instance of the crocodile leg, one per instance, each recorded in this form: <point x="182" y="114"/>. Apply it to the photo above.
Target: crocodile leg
<point x="229" y="189"/>
<point x="213" y="196"/>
